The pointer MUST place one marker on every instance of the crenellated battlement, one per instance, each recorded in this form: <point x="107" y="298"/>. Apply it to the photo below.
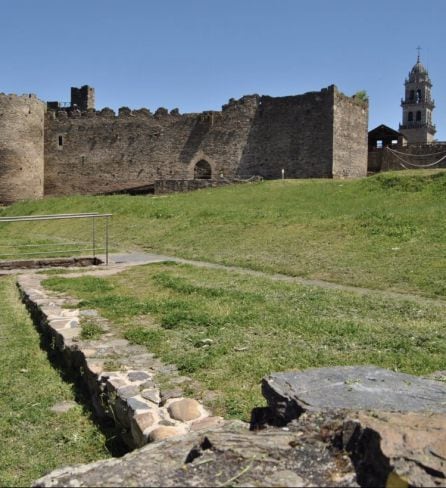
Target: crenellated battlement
<point x="60" y="112"/>
<point x="24" y="96"/>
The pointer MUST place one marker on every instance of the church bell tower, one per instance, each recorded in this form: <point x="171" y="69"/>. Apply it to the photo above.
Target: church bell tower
<point x="417" y="106"/>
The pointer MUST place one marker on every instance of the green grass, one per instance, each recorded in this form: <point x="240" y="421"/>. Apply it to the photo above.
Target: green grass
<point x="36" y="440"/>
<point x="228" y="330"/>
<point x="90" y="330"/>
<point x="383" y="232"/>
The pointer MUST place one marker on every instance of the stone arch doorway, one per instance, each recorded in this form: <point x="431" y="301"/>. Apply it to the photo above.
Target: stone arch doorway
<point x="202" y="170"/>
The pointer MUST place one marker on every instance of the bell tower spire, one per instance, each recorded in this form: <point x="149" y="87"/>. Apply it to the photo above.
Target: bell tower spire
<point x="418" y="105"/>
<point x="418" y="57"/>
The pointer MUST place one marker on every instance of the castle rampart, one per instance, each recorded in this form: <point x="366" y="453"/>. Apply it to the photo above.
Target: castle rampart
<point x="312" y="135"/>
<point x="86" y="153"/>
<point x="21" y="147"/>
<point x="319" y="134"/>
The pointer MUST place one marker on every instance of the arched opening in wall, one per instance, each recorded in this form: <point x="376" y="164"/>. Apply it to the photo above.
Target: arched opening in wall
<point x="418" y="116"/>
<point x="202" y="170"/>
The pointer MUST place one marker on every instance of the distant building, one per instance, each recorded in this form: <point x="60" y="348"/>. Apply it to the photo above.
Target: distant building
<point x="414" y="145"/>
<point x="383" y="136"/>
<point x="417" y="106"/>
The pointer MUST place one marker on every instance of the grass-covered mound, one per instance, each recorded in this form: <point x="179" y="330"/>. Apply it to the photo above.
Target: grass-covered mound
<point x="385" y="232"/>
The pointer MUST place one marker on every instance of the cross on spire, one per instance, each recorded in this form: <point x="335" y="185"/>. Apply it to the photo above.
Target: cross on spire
<point x="418" y="57"/>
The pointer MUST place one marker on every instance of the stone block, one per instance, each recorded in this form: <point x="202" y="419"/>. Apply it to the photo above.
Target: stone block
<point x="164" y="432"/>
<point x="137" y="403"/>
<point x="206" y="423"/>
<point x="153" y="395"/>
<point x="184" y="410"/>
<point x="138" y="376"/>
<point x="350" y="387"/>
<point x="140" y="423"/>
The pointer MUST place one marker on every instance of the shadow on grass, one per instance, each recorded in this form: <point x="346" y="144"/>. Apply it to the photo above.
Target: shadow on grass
<point x="73" y="376"/>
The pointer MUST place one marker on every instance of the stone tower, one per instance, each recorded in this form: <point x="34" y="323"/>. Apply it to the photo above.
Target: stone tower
<point x="417" y="106"/>
<point x="83" y="98"/>
<point x="21" y="147"/>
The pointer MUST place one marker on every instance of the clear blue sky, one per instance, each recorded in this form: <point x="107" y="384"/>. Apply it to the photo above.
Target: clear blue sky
<point x="196" y="54"/>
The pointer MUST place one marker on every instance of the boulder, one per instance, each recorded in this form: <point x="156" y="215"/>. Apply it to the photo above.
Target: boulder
<point x="291" y="393"/>
<point x="229" y="455"/>
<point x="397" y="449"/>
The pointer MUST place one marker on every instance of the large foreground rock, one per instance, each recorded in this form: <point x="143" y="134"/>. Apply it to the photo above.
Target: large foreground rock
<point x="229" y="455"/>
<point x="399" y="449"/>
<point x="351" y="388"/>
<point x="354" y="426"/>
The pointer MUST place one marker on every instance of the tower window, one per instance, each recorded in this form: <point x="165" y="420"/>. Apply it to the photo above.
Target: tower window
<point x="418" y="96"/>
<point x="410" y="116"/>
<point x="60" y="142"/>
<point x="418" y="116"/>
<point x="411" y="94"/>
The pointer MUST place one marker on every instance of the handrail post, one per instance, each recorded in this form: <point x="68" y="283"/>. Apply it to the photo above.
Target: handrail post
<point x="94" y="238"/>
<point x="106" y="241"/>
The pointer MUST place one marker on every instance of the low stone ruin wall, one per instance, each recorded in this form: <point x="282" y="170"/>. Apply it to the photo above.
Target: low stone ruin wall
<point x="120" y="377"/>
<point x="173" y="186"/>
<point x="45" y="263"/>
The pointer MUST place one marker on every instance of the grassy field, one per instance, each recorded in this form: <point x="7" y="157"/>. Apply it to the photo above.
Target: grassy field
<point x="228" y="330"/>
<point x="384" y="232"/>
<point x="36" y="440"/>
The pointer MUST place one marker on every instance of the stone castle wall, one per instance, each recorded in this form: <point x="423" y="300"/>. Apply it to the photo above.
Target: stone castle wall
<point x="95" y="152"/>
<point x="315" y="135"/>
<point x="21" y="147"/>
<point x="350" y="137"/>
<point x="291" y="133"/>
<point x="425" y="155"/>
<point x="101" y="152"/>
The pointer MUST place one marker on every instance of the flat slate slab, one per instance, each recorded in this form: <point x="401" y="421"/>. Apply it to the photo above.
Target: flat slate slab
<point x="353" y="388"/>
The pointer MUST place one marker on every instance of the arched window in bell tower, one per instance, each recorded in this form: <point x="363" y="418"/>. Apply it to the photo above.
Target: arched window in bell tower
<point x="410" y="117"/>
<point x="411" y="94"/>
<point x="418" y="116"/>
<point x="418" y="95"/>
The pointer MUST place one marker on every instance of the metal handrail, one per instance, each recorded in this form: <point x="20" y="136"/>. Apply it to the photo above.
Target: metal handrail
<point x="31" y="218"/>
<point x="36" y="218"/>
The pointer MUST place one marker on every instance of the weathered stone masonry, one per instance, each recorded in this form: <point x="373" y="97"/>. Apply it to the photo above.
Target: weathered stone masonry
<point x="21" y="147"/>
<point x="314" y="135"/>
